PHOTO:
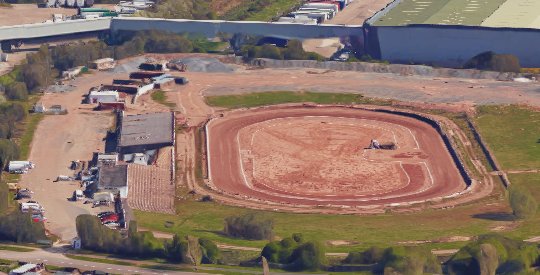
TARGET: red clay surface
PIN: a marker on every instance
(318, 156)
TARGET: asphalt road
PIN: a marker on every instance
(57, 259)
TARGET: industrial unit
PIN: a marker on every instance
(141, 133)
(451, 32)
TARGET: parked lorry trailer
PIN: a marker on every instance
(20, 166)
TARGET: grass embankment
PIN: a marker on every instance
(271, 98)
(160, 97)
(513, 134)
(207, 220)
(254, 11)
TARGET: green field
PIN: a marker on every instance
(513, 134)
(441, 12)
(204, 219)
(271, 98)
(160, 97)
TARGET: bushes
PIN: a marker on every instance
(293, 51)
(494, 62)
(371, 256)
(408, 260)
(522, 202)
(249, 226)
(295, 253)
(17, 91)
(19, 227)
(97, 237)
(492, 252)
(210, 252)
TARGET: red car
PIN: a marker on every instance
(110, 219)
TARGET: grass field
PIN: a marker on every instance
(513, 134)
(206, 220)
(160, 97)
(270, 98)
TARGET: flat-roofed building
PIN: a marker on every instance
(140, 133)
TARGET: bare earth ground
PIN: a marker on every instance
(20, 14)
(59, 140)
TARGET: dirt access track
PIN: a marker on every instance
(302, 156)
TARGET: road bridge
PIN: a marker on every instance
(208, 28)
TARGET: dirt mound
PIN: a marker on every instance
(205, 64)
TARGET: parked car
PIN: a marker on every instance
(112, 224)
(110, 219)
(105, 213)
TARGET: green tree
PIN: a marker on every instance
(19, 227)
(249, 226)
(210, 251)
(17, 91)
(8, 151)
(523, 204)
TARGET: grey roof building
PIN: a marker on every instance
(139, 133)
(114, 179)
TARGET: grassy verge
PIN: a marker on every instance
(160, 97)
(271, 98)
(97, 260)
(15, 248)
(253, 10)
(513, 134)
(528, 228)
(28, 135)
(206, 220)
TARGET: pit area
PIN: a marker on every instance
(329, 156)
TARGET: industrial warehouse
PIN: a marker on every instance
(451, 32)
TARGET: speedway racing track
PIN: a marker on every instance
(299, 156)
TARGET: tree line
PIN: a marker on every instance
(181, 249)
(489, 254)
(19, 227)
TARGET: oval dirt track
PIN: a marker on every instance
(424, 166)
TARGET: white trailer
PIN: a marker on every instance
(331, 13)
(20, 166)
(333, 7)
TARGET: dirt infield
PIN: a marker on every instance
(318, 157)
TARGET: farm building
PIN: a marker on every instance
(103, 64)
(113, 179)
(140, 133)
